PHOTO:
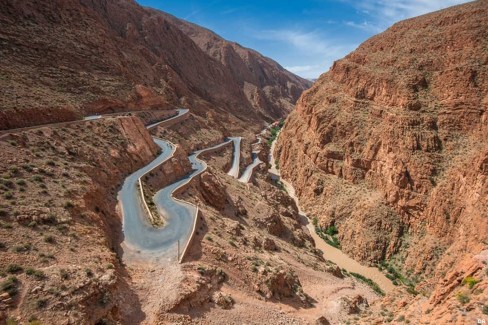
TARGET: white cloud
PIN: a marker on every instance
(365, 26)
(317, 51)
(387, 12)
(310, 41)
(299, 69)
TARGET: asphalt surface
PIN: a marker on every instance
(179, 216)
(234, 169)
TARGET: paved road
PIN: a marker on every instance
(4, 133)
(179, 216)
(138, 232)
(234, 169)
(181, 112)
(246, 175)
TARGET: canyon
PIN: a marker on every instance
(153, 172)
(389, 147)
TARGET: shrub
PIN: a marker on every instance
(64, 274)
(14, 170)
(331, 231)
(14, 268)
(21, 182)
(50, 239)
(27, 168)
(39, 275)
(23, 248)
(68, 205)
(89, 273)
(38, 178)
(369, 282)
(41, 303)
(8, 195)
(110, 266)
(462, 298)
(10, 286)
(470, 281)
(484, 309)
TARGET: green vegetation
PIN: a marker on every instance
(37, 274)
(50, 239)
(10, 286)
(369, 282)
(64, 274)
(484, 309)
(397, 278)
(41, 303)
(23, 248)
(274, 132)
(14, 268)
(470, 281)
(462, 298)
(89, 272)
(328, 234)
(68, 205)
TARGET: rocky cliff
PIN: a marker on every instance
(65, 59)
(390, 147)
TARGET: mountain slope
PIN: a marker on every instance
(64, 59)
(390, 147)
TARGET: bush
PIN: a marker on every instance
(470, 281)
(50, 239)
(14, 268)
(38, 178)
(64, 274)
(10, 286)
(21, 182)
(484, 309)
(37, 274)
(89, 273)
(462, 298)
(331, 231)
(369, 282)
(23, 248)
(68, 205)
(41, 303)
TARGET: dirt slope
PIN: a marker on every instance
(63, 59)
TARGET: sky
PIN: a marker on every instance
(304, 36)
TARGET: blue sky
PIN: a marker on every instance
(304, 36)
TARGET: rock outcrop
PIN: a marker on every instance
(65, 59)
(390, 145)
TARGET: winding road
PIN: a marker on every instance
(234, 169)
(140, 237)
(247, 174)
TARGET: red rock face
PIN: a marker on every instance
(390, 144)
(93, 56)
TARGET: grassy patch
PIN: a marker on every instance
(329, 234)
(369, 282)
(274, 132)
(470, 281)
